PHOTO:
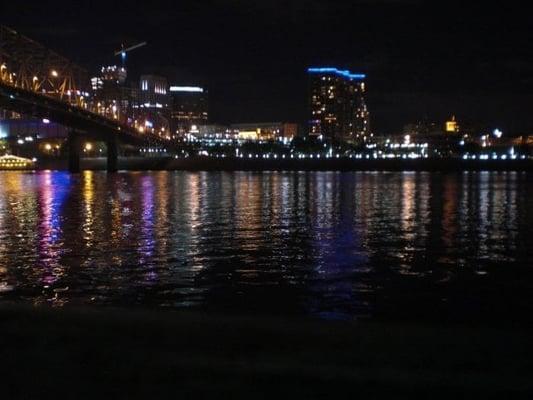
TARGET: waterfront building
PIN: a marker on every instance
(212, 130)
(14, 129)
(337, 108)
(213, 135)
(189, 107)
(31, 137)
(265, 131)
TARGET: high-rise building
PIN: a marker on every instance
(112, 97)
(154, 92)
(189, 108)
(337, 108)
(154, 105)
(114, 73)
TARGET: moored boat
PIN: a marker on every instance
(11, 162)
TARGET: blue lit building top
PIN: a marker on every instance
(328, 70)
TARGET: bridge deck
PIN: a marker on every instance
(91, 124)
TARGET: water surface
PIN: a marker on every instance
(375, 245)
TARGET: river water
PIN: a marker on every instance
(376, 245)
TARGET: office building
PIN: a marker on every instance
(153, 92)
(112, 97)
(337, 108)
(154, 113)
(189, 107)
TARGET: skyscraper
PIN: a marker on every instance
(112, 95)
(155, 104)
(337, 108)
(189, 108)
(154, 92)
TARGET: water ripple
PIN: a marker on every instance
(336, 245)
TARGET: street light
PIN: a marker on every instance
(54, 73)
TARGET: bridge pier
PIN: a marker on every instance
(112, 155)
(74, 151)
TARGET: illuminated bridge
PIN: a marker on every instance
(38, 82)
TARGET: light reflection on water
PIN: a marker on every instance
(337, 245)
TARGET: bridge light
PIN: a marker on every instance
(35, 79)
(54, 73)
(88, 146)
(48, 147)
(3, 67)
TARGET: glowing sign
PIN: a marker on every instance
(328, 70)
(190, 89)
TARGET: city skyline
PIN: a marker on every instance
(253, 59)
(261, 198)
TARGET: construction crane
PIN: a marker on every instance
(122, 52)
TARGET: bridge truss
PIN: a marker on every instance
(29, 65)
(37, 81)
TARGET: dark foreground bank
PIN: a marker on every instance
(73, 353)
(343, 164)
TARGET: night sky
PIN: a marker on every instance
(422, 61)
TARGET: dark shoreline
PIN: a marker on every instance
(105, 352)
(346, 164)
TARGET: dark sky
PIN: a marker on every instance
(422, 61)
